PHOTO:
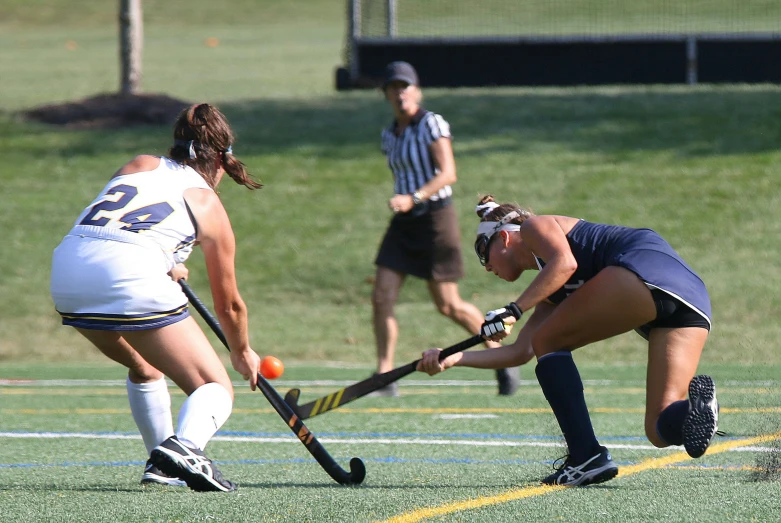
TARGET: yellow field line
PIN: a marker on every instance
(425, 411)
(527, 492)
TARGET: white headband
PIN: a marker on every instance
(486, 208)
(488, 229)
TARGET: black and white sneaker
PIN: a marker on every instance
(152, 474)
(702, 421)
(391, 390)
(178, 460)
(597, 469)
(509, 380)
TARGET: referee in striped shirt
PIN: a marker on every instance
(423, 238)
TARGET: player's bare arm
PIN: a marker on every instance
(219, 248)
(545, 238)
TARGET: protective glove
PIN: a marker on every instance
(494, 320)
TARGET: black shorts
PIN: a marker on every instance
(426, 245)
(672, 313)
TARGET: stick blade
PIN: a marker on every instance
(357, 472)
(291, 398)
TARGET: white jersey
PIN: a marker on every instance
(150, 204)
(110, 272)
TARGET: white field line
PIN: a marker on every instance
(343, 383)
(351, 440)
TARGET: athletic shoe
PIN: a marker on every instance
(178, 460)
(597, 469)
(509, 380)
(152, 474)
(390, 390)
(702, 421)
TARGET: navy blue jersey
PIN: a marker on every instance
(642, 251)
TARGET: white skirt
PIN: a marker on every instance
(109, 279)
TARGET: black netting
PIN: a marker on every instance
(573, 20)
(485, 18)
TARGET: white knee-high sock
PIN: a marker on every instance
(150, 404)
(202, 414)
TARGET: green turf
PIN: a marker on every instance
(86, 479)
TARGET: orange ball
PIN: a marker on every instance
(271, 368)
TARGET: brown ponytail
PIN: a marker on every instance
(201, 135)
(497, 213)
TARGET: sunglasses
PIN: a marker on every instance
(481, 248)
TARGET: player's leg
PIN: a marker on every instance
(147, 392)
(671, 419)
(183, 353)
(387, 285)
(449, 303)
(613, 302)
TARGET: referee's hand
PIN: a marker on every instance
(401, 203)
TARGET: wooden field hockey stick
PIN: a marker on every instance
(341, 476)
(367, 386)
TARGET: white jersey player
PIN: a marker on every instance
(114, 279)
(110, 271)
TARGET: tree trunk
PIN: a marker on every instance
(131, 44)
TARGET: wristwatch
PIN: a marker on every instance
(417, 197)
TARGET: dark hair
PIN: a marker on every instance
(497, 213)
(201, 135)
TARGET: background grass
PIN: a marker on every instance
(696, 164)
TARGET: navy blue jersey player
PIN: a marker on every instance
(596, 281)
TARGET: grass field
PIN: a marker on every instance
(70, 452)
(697, 164)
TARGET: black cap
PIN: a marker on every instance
(400, 71)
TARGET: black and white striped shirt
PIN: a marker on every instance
(409, 157)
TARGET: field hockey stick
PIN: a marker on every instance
(357, 468)
(367, 386)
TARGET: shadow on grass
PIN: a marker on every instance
(687, 123)
(73, 488)
(768, 465)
